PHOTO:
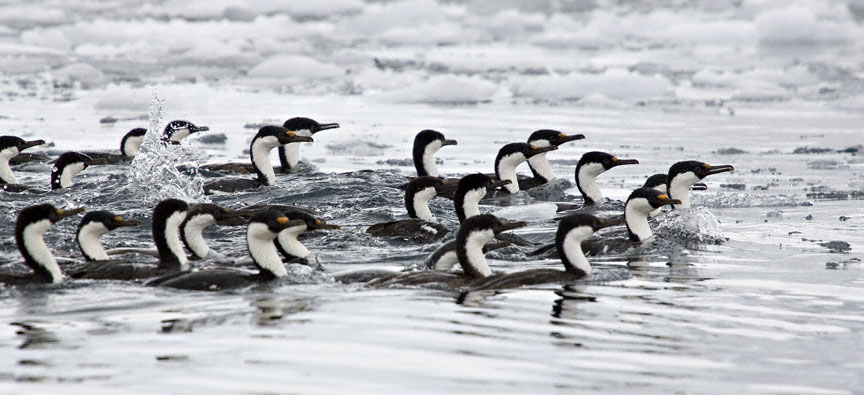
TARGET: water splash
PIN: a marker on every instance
(161, 171)
(691, 227)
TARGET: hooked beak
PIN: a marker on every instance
(717, 169)
(198, 129)
(68, 213)
(662, 200)
(612, 221)
(30, 144)
(569, 138)
(500, 183)
(130, 222)
(325, 126)
(291, 137)
(96, 161)
(233, 218)
(446, 186)
(448, 142)
(511, 225)
(284, 223)
(496, 245)
(540, 150)
(699, 187)
(320, 224)
(621, 162)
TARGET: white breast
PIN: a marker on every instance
(259, 240)
(471, 204)
(5, 171)
(35, 245)
(507, 170)
(679, 188)
(89, 240)
(636, 214)
(261, 157)
(587, 179)
(172, 237)
(133, 145)
(421, 204)
(194, 234)
(429, 158)
(474, 249)
(573, 247)
(288, 241)
(68, 172)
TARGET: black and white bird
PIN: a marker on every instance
(130, 144)
(30, 228)
(658, 182)
(421, 227)
(199, 217)
(176, 131)
(93, 226)
(288, 243)
(591, 165)
(683, 175)
(572, 231)
(289, 154)
(538, 163)
(512, 155)
(168, 215)
(10, 147)
(426, 144)
(267, 138)
(264, 226)
(471, 241)
(68, 165)
(470, 190)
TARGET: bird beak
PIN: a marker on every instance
(68, 213)
(572, 137)
(496, 245)
(96, 161)
(501, 183)
(291, 137)
(699, 187)
(234, 218)
(130, 222)
(448, 142)
(663, 200)
(325, 126)
(511, 225)
(29, 144)
(445, 186)
(612, 221)
(621, 162)
(320, 224)
(198, 129)
(717, 169)
(285, 223)
(540, 150)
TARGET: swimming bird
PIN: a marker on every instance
(289, 154)
(470, 190)
(68, 165)
(538, 163)
(640, 204)
(287, 243)
(591, 165)
(130, 144)
(572, 231)
(267, 138)
(683, 175)
(167, 217)
(199, 217)
(510, 156)
(10, 147)
(263, 228)
(473, 235)
(30, 228)
(421, 227)
(426, 144)
(93, 226)
(176, 131)
(658, 182)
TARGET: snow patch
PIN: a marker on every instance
(295, 67)
(446, 89)
(614, 83)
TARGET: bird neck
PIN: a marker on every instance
(36, 254)
(470, 253)
(417, 204)
(6, 175)
(62, 178)
(289, 156)
(679, 188)
(541, 168)
(424, 159)
(586, 181)
(289, 245)
(259, 152)
(468, 204)
(131, 146)
(166, 235)
(259, 241)
(89, 241)
(636, 219)
(193, 234)
(570, 250)
(505, 169)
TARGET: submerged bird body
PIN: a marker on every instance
(30, 228)
(267, 138)
(420, 227)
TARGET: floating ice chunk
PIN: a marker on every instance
(379, 18)
(614, 83)
(51, 38)
(530, 212)
(295, 67)
(446, 89)
(85, 74)
(797, 24)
